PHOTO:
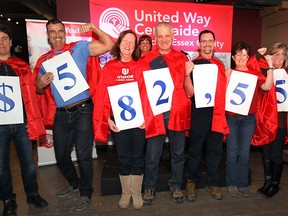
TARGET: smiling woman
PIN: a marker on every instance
(124, 69)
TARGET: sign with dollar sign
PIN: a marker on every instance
(11, 105)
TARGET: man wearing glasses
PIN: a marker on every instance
(207, 124)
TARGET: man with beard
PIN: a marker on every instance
(207, 124)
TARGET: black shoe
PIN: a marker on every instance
(10, 207)
(265, 186)
(272, 189)
(36, 200)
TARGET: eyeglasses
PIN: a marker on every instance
(279, 54)
(207, 41)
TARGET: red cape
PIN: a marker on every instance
(219, 123)
(109, 75)
(180, 111)
(266, 115)
(36, 127)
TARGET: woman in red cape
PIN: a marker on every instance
(272, 150)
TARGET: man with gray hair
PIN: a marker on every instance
(174, 122)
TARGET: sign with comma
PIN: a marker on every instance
(204, 81)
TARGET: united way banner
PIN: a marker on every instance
(188, 20)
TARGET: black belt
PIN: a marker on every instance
(76, 107)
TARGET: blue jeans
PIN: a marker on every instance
(130, 149)
(75, 128)
(154, 149)
(24, 147)
(238, 149)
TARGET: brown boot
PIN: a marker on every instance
(124, 201)
(136, 191)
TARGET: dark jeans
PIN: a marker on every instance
(153, 153)
(201, 136)
(18, 134)
(238, 150)
(130, 149)
(75, 128)
(274, 150)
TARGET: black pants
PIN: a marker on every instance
(201, 136)
(130, 150)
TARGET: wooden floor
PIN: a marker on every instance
(50, 181)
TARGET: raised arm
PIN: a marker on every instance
(269, 79)
(188, 86)
(104, 42)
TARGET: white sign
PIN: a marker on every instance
(11, 105)
(160, 87)
(205, 80)
(68, 79)
(281, 83)
(240, 92)
(126, 105)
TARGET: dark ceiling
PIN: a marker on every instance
(19, 10)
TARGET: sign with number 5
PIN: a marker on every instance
(68, 79)
(240, 92)
(281, 83)
(126, 105)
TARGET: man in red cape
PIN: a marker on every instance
(21, 134)
(208, 125)
(176, 122)
(72, 121)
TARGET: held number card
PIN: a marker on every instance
(204, 81)
(68, 79)
(126, 105)
(160, 87)
(240, 92)
(281, 83)
(11, 105)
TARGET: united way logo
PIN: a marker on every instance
(113, 21)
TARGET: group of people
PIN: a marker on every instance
(77, 122)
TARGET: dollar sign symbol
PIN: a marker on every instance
(7, 102)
